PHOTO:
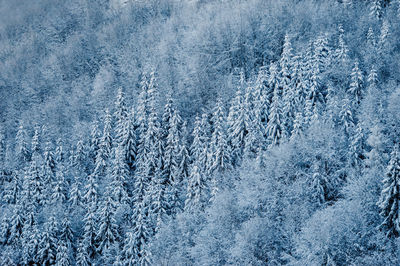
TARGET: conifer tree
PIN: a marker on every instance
(49, 169)
(356, 153)
(75, 195)
(119, 177)
(375, 9)
(297, 126)
(48, 243)
(390, 196)
(140, 234)
(371, 38)
(236, 127)
(106, 138)
(94, 142)
(346, 116)
(107, 233)
(21, 147)
(16, 226)
(355, 88)
(82, 257)
(67, 233)
(62, 258)
(59, 195)
(89, 230)
(342, 50)
(383, 37)
(221, 160)
(197, 188)
(275, 129)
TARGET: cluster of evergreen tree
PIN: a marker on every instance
(301, 166)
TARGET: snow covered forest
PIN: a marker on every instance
(200, 132)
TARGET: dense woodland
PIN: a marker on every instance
(208, 132)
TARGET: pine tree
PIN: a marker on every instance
(141, 236)
(21, 147)
(79, 158)
(390, 196)
(172, 147)
(355, 88)
(17, 224)
(160, 204)
(129, 250)
(94, 142)
(62, 257)
(107, 233)
(173, 155)
(346, 116)
(300, 88)
(2, 159)
(59, 156)
(125, 136)
(82, 257)
(89, 230)
(4, 230)
(342, 50)
(356, 153)
(376, 9)
(106, 138)
(75, 196)
(121, 115)
(275, 130)
(383, 37)
(48, 243)
(221, 160)
(59, 195)
(236, 128)
(35, 186)
(322, 54)
(184, 157)
(91, 190)
(119, 177)
(297, 126)
(49, 169)
(197, 188)
(36, 149)
(67, 233)
(371, 38)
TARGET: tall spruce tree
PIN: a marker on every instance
(390, 196)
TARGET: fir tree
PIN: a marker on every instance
(119, 177)
(59, 195)
(355, 88)
(375, 9)
(21, 147)
(48, 243)
(371, 38)
(67, 234)
(82, 257)
(75, 196)
(94, 142)
(346, 116)
(383, 37)
(197, 189)
(221, 160)
(62, 258)
(236, 128)
(107, 233)
(389, 199)
(275, 130)
(342, 50)
(89, 230)
(356, 153)
(16, 225)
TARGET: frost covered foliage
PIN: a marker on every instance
(256, 132)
